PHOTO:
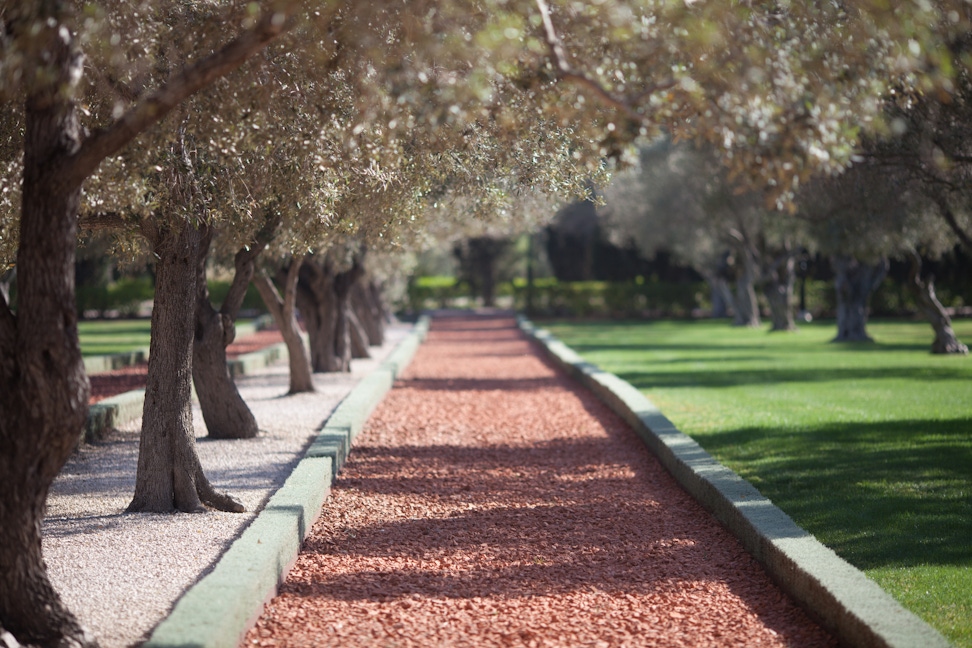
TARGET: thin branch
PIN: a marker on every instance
(103, 221)
(108, 141)
(245, 264)
(566, 72)
(949, 217)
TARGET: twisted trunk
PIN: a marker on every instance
(315, 299)
(932, 310)
(283, 311)
(366, 303)
(747, 308)
(42, 381)
(779, 291)
(854, 283)
(323, 300)
(169, 475)
(226, 414)
(359, 335)
(723, 302)
(346, 329)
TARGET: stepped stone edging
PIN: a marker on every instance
(125, 407)
(219, 609)
(841, 597)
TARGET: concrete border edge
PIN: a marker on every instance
(218, 610)
(122, 408)
(842, 598)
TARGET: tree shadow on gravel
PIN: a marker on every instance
(478, 384)
(563, 516)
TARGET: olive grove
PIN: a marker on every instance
(151, 114)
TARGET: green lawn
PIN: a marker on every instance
(868, 447)
(107, 337)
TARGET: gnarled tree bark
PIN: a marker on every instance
(780, 277)
(343, 282)
(854, 283)
(44, 388)
(322, 297)
(169, 475)
(746, 304)
(366, 302)
(284, 313)
(226, 414)
(315, 299)
(932, 310)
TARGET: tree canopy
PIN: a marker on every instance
(371, 120)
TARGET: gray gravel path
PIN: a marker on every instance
(121, 573)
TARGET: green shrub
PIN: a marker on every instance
(252, 301)
(641, 298)
(124, 296)
(437, 292)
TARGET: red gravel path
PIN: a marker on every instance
(493, 502)
(118, 381)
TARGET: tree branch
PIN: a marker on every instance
(949, 217)
(244, 264)
(103, 221)
(566, 72)
(188, 81)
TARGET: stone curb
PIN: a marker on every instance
(122, 408)
(219, 609)
(106, 363)
(845, 601)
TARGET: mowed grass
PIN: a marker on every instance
(867, 446)
(108, 337)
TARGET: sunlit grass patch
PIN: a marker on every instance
(867, 446)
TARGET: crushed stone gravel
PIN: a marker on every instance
(120, 573)
(492, 501)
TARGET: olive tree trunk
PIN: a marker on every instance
(226, 414)
(723, 302)
(854, 282)
(43, 386)
(780, 278)
(931, 309)
(44, 389)
(365, 302)
(224, 411)
(346, 327)
(322, 297)
(358, 334)
(746, 305)
(315, 299)
(169, 475)
(284, 313)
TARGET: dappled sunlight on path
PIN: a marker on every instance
(491, 502)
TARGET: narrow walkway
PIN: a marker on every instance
(491, 501)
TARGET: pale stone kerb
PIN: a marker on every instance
(840, 596)
(219, 609)
(355, 409)
(248, 363)
(112, 412)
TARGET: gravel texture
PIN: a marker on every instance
(121, 573)
(491, 501)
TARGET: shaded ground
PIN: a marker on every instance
(493, 502)
(118, 381)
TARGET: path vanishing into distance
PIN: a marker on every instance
(493, 501)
